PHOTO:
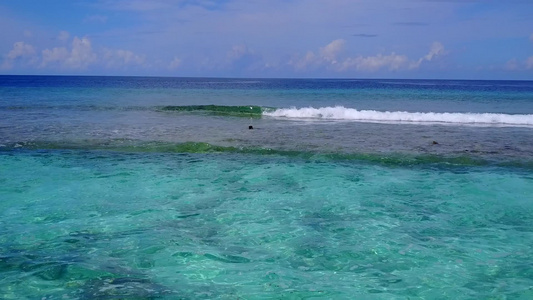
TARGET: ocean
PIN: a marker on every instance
(156, 188)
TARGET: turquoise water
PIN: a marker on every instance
(243, 226)
(104, 195)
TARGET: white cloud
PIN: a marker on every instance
(82, 54)
(21, 52)
(302, 63)
(54, 55)
(20, 49)
(79, 57)
(330, 52)
(329, 58)
(437, 49)
(392, 62)
(326, 56)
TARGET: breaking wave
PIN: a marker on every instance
(351, 114)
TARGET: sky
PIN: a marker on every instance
(420, 39)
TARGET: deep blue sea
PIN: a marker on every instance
(156, 188)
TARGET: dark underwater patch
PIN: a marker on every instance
(242, 111)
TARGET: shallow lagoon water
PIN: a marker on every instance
(103, 224)
(104, 195)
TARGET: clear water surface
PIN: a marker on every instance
(122, 188)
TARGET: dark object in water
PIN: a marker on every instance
(250, 127)
(435, 143)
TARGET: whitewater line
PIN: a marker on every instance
(343, 113)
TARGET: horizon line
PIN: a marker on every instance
(263, 78)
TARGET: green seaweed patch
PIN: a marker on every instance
(240, 111)
(385, 159)
(187, 147)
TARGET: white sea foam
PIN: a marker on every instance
(351, 114)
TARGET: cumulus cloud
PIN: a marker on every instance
(82, 54)
(21, 53)
(54, 55)
(326, 56)
(309, 59)
(20, 49)
(437, 49)
(373, 63)
(79, 57)
(329, 57)
(330, 52)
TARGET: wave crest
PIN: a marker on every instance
(351, 114)
(245, 110)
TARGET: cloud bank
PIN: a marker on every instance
(79, 55)
(330, 57)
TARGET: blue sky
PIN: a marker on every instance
(455, 39)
